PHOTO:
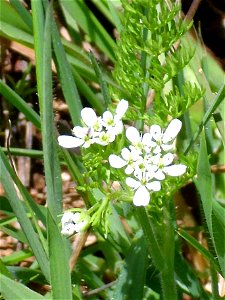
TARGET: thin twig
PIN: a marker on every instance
(77, 247)
(192, 10)
(8, 146)
(98, 290)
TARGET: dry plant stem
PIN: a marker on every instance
(24, 162)
(8, 146)
(98, 290)
(77, 247)
(218, 169)
(192, 10)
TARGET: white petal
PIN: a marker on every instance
(155, 159)
(125, 153)
(116, 162)
(172, 131)
(156, 132)
(132, 183)
(79, 227)
(118, 128)
(121, 109)
(129, 170)
(154, 186)
(157, 150)
(167, 147)
(88, 143)
(68, 141)
(159, 175)
(167, 159)
(80, 132)
(147, 140)
(141, 196)
(175, 170)
(68, 229)
(67, 218)
(107, 117)
(76, 217)
(88, 115)
(133, 135)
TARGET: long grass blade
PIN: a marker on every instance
(219, 98)
(59, 259)
(68, 85)
(13, 98)
(24, 221)
(11, 289)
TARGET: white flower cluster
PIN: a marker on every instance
(100, 130)
(71, 223)
(147, 160)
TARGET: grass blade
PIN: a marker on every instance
(103, 84)
(212, 215)
(24, 221)
(51, 162)
(91, 26)
(13, 98)
(219, 98)
(19, 291)
(193, 242)
(132, 276)
(23, 13)
(68, 85)
(59, 260)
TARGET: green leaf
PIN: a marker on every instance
(4, 270)
(130, 283)
(193, 242)
(115, 15)
(66, 78)
(85, 90)
(38, 31)
(215, 103)
(15, 34)
(37, 210)
(212, 214)
(10, 16)
(204, 183)
(11, 289)
(59, 268)
(59, 262)
(51, 162)
(23, 13)
(24, 221)
(13, 98)
(17, 256)
(103, 84)
(24, 152)
(90, 25)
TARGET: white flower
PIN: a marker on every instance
(114, 123)
(105, 138)
(83, 136)
(165, 139)
(71, 223)
(139, 142)
(100, 130)
(128, 159)
(142, 188)
(165, 166)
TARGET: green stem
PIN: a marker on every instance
(152, 242)
(168, 285)
(162, 254)
(214, 279)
